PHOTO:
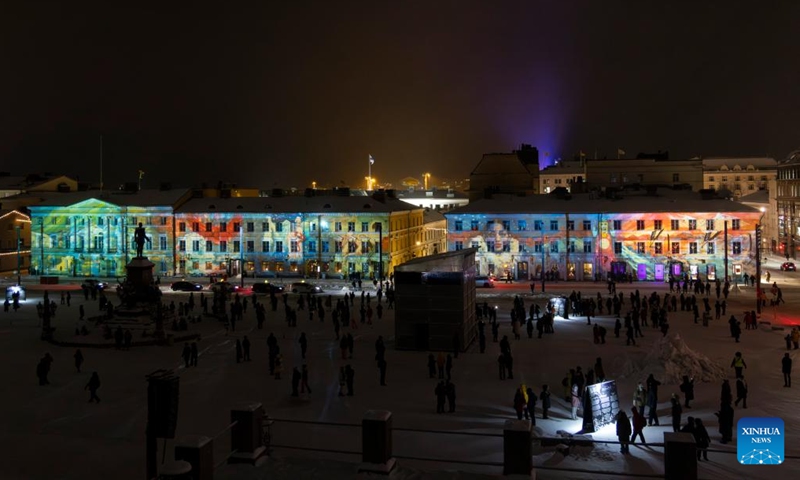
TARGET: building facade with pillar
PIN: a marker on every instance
(788, 205)
(647, 235)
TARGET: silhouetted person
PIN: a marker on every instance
(139, 237)
(187, 354)
(92, 386)
(296, 377)
(246, 348)
(79, 359)
(193, 359)
(786, 368)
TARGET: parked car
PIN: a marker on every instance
(303, 287)
(484, 282)
(224, 286)
(267, 287)
(10, 291)
(788, 267)
(92, 283)
(184, 286)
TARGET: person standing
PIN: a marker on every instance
(441, 393)
(194, 355)
(687, 387)
(639, 397)
(440, 361)
(450, 391)
(246, 348)
(278, 366)
(92, 386)
(599, 371)
(786, 368)
(623, 431)
(652, 400)
(545, 397)
(725, 416)
(350, 373)
(79, 360)
(576, 401)
(531, 405)
(296, 377)
(638, 425)
(448, 366)
(303, 345)
(186, 354)
(741, 392)
(304, 380)
(701, 439)
(519, 403)
(676, 412)
(382, 369)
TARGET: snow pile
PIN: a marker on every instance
(669, 360)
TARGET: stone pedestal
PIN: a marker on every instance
(680, 456)
(376, 442)
(517, 458)
(246, 433)
(198, 451)
(140, 272)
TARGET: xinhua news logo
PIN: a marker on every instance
(760, 441)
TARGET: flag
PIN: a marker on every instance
(371, 160)
(582, 154)
(620, 152)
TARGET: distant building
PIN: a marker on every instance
(741, 176)
(434, 199)
(648, 234)
(605, 173)
(515, 173)
(761, 201)
(562, 174)
(15, 227)
(788, 204)
(14, 185)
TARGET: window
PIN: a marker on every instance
(352, 247)
(279, 247)
(223, 244)
(326, 246)
(365, 226)
(459, 245)
(676, 177)
(692, 247)
(571, 246)
(162, 242)
(364, 246)
(182, 227)
(265, 226)
(337, 246)
(265, 246)
(473, 225)
(351, 226)
(209, 265)
(490, 226)
(182, 245)
(639, 224)
(490, 246)
(506, 246)
(522, 225)
(710, 224)
(237, 246)
(658, 248)
(195, 245)
(459, 225)
(195, 226)
(538, 225)
(710, 248)
(538, 246)
(675, 224)
(279, 227)
(587, 225)
(553, 224)
(570, 224)
(675, 248)
(658, 225)
(337, 227)
(587, 245)
(618, 247)
(554, 246)
(639, 247)
(251, 246)
(736, 248)
(692, 224)
(711, 178)
(506, 224)
(735, 224)
(293, 246)
(251, 227)
(521, 247)
(616, 225)
(223, 226)
(162, 219)
(236, 226)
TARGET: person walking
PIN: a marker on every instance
(652, 400)
(350, 373)
(676, 412)
(786, 368)
(187, 354)
(531, 406)
(741, 392)
(303, 345)
(79, 360)
(304, 380)
(639, 423)
(92, 386)
(687, 388)
(701, 439)
(519, 403)
(296, 377)
(545, 397)
(738, 364)
(193, 359)
(623, 431)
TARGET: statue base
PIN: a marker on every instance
(140, 272)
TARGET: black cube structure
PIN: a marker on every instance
(435, 308)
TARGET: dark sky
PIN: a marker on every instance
(281, 93)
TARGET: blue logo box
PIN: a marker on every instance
(759, 441)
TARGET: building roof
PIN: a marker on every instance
(430, 216)
(563, 168)
(435, 193)
(142, 198)
(760, 196)
(714, 163)
(665, 200)
(501, 163)
(454, 261)
(28, 182)
(295, 204)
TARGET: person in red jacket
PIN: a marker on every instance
(639, 423)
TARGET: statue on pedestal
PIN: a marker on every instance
(139, 237)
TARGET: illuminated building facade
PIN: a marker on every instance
(788, 205)
(586, 237)
(15, 228)
(87, 234)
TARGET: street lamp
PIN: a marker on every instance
(425, 177)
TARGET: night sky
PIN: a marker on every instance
(281, 93)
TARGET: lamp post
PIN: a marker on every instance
(758, 261)
(426, 176)
(379, 227)
(19, 272)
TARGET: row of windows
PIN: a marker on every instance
(737, 178)
(277, 246)
(208, 226)
(641, 247)
(538, 225)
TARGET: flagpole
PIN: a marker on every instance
(369, 173)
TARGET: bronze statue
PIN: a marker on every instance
(139, 237)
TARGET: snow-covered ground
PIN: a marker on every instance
(52, 432)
